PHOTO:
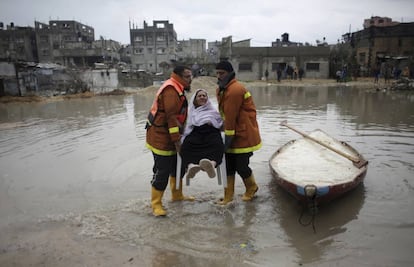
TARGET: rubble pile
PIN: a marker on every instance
(403, 83)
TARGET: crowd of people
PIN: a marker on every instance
(289, 72)
(188, 137)
(389, 72)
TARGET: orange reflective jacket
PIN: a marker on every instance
(238, 111)
(181, 116)
(166, 118)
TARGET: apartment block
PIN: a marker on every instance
(154, 47)
(376, 45)
(17, 43)
(193, 49)
(376, 21)
(67, 42)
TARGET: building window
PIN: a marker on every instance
(160, 50)
(65, 26)
(361, 58)
(312, 66)
(138, 39)
(245, 66)
(160, 38)
(149, 50)
(280, 65)
(160, 25)
(150, 40)
(138, 51)
(44, 39)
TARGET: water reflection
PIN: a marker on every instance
(330, 221)
(365, 106)
(54, 156)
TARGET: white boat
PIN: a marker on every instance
(317, 167)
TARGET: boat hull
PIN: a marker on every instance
(301, 164)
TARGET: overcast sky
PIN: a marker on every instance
(259, 20)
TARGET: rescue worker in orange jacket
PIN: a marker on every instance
(164, 126)
(241, 130)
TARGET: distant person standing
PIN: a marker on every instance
(301, 72)
(267, 75)
(289, 72)
(376, 74)
(295, 73)
(241, 131)
(387, 74)
(338, 75)
(344, 73)
(165, 123)
(406, 72)
(279, 74)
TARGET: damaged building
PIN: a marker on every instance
(28, 78)
(251, 63)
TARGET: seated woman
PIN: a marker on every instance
(202, 146)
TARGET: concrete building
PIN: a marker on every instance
(17, 43)
(107, 51)
(213, 52)
(154, 48)
(376, 45)
(65, 42)
(376, 21)
(192, 49)
(61, 41)
(71, 43)
(250, 63)
(285, 42)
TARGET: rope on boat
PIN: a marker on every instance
(313, 209)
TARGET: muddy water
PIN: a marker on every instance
(83, 163)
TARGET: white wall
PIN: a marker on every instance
(101, 80)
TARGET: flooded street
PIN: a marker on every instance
(75, 187)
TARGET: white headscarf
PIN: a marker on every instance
(198, 116)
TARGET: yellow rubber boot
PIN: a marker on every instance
(251, 188)
(228, 192)
(177, 194)
(156, 203)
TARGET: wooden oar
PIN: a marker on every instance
(358, 162)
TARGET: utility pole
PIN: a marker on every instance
(13, 56)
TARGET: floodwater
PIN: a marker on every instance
(83, 163)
